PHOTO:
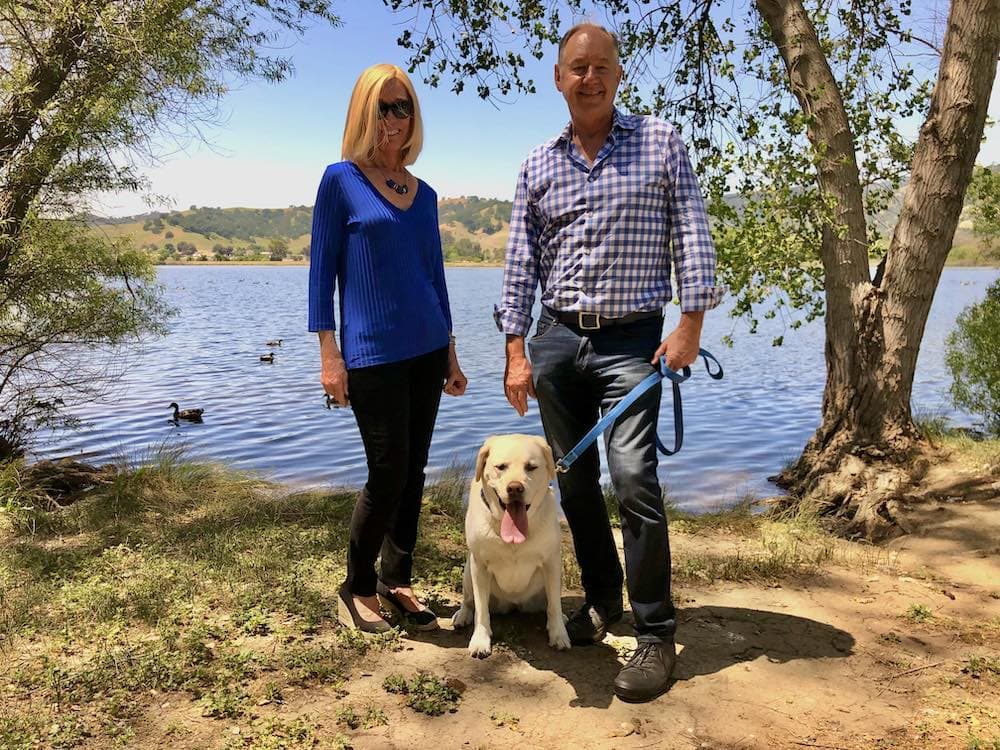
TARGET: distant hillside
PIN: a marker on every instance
(473, 230)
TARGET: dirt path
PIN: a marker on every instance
(895, 647)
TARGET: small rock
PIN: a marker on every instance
(947, 593)
(624, 730)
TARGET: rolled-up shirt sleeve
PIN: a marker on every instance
(326, 245)
(520, 275)
(691, 248)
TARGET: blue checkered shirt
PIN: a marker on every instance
(601, 238)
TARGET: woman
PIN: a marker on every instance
(375, 234)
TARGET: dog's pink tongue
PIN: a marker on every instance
(514, 526)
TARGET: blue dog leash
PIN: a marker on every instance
(562, 466)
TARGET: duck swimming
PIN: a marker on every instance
(267, 357)
(191, 415)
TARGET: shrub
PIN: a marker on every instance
(974, 359)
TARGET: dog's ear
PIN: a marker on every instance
(550, 461)
(484, 453)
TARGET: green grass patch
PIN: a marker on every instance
(278, 734)
(424, 693)
(981, 666)
(740, 519)
(183, 578)
(918, 613)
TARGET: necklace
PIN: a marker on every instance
(400, 188)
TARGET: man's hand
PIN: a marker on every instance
(681, 346)
(517, 383)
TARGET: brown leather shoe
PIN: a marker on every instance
(647, 673)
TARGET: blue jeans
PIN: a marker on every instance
(579, 375)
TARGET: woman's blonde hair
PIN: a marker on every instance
(361, 129)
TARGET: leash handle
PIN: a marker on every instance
(664, 372)
(685, 372)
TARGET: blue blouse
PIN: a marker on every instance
(387, 266)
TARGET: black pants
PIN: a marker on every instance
(395, 405)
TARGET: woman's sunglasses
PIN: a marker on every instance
(401, 109)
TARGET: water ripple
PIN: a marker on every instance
(271, 417)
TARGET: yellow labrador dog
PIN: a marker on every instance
(512, 533)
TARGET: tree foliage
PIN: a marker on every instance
(973, 355)
(715, 72)
(74, 301)
(797, 104)
(984, 194)
(244, 223)
(88, 89)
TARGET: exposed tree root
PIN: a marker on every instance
(859, 491)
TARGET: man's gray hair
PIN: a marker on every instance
(584, 26)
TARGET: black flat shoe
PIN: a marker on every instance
(422, 620)
(589, 624)
(347, 615)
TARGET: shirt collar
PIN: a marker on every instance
(619, 123)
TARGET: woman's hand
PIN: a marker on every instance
(455, 382)
(333, 377)
(333, 370)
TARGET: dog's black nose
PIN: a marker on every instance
(515, 489)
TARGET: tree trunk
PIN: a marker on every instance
(858, 464)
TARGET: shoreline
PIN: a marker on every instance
(279, 264)
(189, 606)
(448, 264)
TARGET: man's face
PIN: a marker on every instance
(588, 74)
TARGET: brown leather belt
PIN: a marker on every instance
(593, 322)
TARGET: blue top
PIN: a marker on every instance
(602, 238)
(387, 265)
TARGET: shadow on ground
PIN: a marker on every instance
(714, 638)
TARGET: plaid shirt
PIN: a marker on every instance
(601, 238)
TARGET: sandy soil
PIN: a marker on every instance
(827, 659)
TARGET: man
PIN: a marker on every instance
(600, 215)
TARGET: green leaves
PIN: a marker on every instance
(984, 195)
(973, 355)
(715, 72)
(89, 89)
(68, 296)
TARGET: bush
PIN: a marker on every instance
(974, 358)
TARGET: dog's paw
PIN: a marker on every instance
(480, 646)
(463, 617)
(558, 637)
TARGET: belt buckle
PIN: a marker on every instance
(582, 316)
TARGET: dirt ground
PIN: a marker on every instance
(878, 647)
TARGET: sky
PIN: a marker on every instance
(273, 141)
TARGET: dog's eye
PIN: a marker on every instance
(530, 467)
(501, 467)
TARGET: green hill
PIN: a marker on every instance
(473, 230)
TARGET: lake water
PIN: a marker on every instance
(271, 417)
